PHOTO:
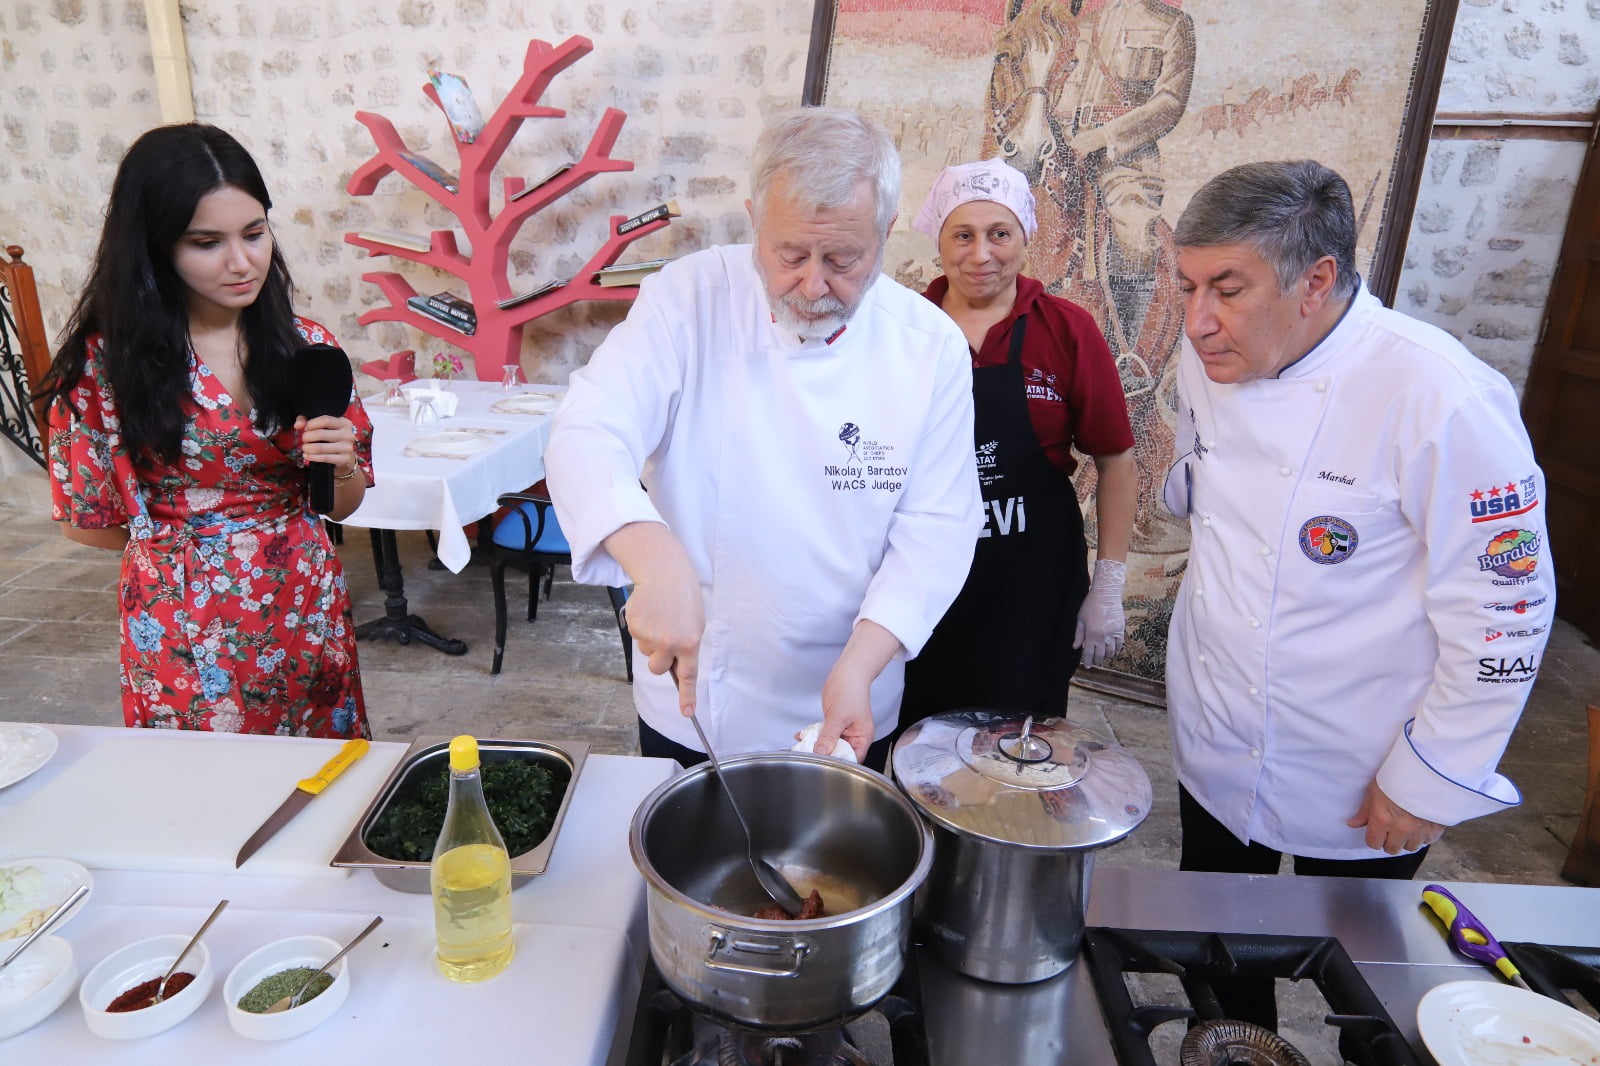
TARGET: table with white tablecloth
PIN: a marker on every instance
(566, 1000)
(443, 493)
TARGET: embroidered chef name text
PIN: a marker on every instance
(1343, 479)
(847, 478)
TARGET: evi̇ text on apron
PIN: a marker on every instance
(1006, 641)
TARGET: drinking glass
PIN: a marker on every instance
(426, 413)
(511, 379)
(393, 394)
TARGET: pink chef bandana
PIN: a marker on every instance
(992, 180)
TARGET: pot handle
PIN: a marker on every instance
(782, 954)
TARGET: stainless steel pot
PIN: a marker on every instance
(1017, 808)
(827, 824)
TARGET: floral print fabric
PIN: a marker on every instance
(235, 614)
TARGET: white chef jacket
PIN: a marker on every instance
(813, 484)
(1368, 590)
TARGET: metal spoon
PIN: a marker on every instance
(46, 925)
(782, 893)
(161, 989)
(290, 1002)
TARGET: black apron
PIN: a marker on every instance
(1006, 642)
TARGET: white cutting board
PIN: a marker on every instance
(187, 803)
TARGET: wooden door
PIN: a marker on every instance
(1562, 409)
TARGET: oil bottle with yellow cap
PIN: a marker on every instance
(471, 878)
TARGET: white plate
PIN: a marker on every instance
(452, 443)
(531, 403)
(60, 877)
(1486, 1023)
(23, 749)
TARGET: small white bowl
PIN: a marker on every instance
(134, 965)
(280, 955)
(51, 958)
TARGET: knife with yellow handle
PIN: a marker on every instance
(302, 795)
(1470, 936)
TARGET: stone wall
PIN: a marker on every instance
(1491, 212)
(695, 77)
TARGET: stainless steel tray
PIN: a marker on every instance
(430, 755)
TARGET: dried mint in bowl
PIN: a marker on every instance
(522, 798)
(284, 983)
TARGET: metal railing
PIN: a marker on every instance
(24, 357)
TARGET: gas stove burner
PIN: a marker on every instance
(1228, 1042)
(718, 1045)
(668, 1032)
(1201, 961)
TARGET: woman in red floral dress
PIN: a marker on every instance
(174, 439)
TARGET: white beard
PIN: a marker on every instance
(814, 320)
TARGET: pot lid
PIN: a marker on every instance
(1043, 783)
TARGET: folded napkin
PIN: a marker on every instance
(808, 740)
(443, 402)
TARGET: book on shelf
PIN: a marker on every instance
(531, 294)
(421, 306)
(396, 238)
(546, 180)
(466, 121)
(655, 214)
(622, 274)
(432, 170)
(447, 302)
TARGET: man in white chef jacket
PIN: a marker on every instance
(802, 427)
(1368, 590)
(1368, 586)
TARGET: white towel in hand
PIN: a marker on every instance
(808, 740)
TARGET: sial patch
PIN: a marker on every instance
(1328, 539)
(1503, 671)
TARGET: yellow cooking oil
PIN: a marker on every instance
(472, 912)
(470, 878)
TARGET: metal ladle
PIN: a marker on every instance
(782, 893)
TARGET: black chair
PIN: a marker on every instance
(529, 537)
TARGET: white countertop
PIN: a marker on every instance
(581, 945)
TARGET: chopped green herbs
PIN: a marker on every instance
(522, 798)
(284, 983)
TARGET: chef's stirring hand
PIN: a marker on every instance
(1101, 621)
(665, 613)
(1390, 827)
(847, 692)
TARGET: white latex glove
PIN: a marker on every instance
(1101, 622)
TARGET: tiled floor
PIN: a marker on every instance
(564, 679)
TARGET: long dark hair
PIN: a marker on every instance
(137, 303)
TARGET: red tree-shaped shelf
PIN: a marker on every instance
(498, 337)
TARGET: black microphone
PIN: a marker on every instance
(320, 381)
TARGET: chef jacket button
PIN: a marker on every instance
(1322, 386)
(1265, 550)
(1285, 471)
(1254, 691)
(1201, 657)
(1200, 594)
(1205, 521)
(1255, 623)
(1255, 753)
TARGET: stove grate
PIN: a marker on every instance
(1367, 1035)
(1559, 972)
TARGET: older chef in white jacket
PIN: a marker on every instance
(803, 427)
(1369, 589)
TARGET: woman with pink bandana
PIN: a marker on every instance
(1043, 383)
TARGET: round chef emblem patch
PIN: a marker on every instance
(1326, 539)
